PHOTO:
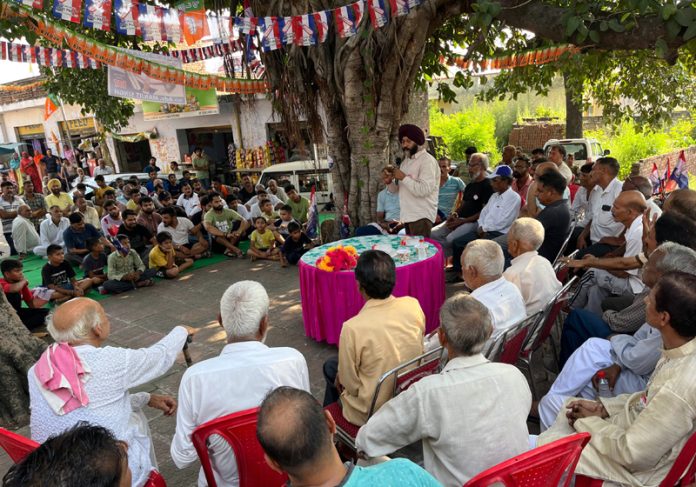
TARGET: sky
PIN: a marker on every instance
(10, 71)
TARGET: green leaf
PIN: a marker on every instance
(668, 11)
(673, 29)
(690, 32)
(685, 17)
(594, 36)
(604, 26)
(624, 17)
(572, 26)
(616, 26)
(494, 9)
(661, 48)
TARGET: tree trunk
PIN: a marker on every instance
(19, 350)
(573, 111)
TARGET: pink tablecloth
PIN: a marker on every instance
(331, 298)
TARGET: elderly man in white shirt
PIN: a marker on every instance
(531, 273)
(598, 284)
(24, 234)
(263, 194)
(482, 270)
(51, 230)
(95, 389)
(277, 191)
(418, 183)
(457, 441)
(238, 379)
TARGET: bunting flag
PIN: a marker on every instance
(399, 7)
(321, 22)
(68, 10)
(304, 30)
(347, 19)
(37, 4)
(377, 12)
(97, 14)
(44, 56)
(287, 35)
(679, 178)
(246, 25)
(50, 106)
(655, 179)
(172, 27)
(150, 20)
(127, 17)
(270, 34)
(193, 21)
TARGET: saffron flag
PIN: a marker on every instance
(50, 106)
(97, 14)
(345, 21)
(194, 22)
(680, 176)
(127, 17)
(312, 215)
(304, 30)
(398, 7)
(67, 10)
(150, 20)
(270, 33)
(321, 22)
(378, 14)
(655, 179)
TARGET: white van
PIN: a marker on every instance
(303, 175)
(580, 148)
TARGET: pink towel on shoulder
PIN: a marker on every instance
(61, 376)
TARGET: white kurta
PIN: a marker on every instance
(470, 417)
(504, 302)
(534, 277)
(114, 372)
(236, 380)
(51, 234)
(419, 190)
(24, 235)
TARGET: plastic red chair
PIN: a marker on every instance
(18, 447)
(547, 466)
(682, 473)
(239, 431)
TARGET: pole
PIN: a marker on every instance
(67, 128)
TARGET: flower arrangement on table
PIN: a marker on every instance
(338, 258)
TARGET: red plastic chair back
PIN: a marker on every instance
(16, 446)
(547, 466)
(513, 347)
(155, 480)
(239, 430)
(406, 380)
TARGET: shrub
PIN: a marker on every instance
(474, 126)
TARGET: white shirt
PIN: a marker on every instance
(190, 205)
(500, 212)
(275, 201)
(634, 246)
(655, 210)
(24, 234)
(280, 193)
(113, 372)
(580, 208)
(534, 277)
(471, 416)
(566, 172)
(238, 379)
(98, 171)
(601, 200)
(242, 210)
(50, 233)
(419, 190)
(504, 302)
(180, 234)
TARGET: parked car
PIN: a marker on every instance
(581, 149)
(303, 175)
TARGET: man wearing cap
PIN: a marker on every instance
(418, 181)
(497, 216)
(59, 198)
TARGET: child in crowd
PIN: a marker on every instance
(59, 276)
(125, 269)
(94, 263)
(267, 212)
(295, 245)
(281, 224)
(263, 241)
(163, 258)
(16, 289)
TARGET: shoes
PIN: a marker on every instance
(160, 274)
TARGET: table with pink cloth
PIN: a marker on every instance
(331, 298)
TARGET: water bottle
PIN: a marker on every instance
(422, 249)
(603, 389)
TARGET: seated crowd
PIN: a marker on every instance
(629, 319)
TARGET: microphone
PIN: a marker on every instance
(397, 162)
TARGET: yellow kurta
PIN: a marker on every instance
(645, 431)
(386, 333)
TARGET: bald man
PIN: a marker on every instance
(682, 201)
(99, 385)
(24, 233)
(643, 184)
(598, 284)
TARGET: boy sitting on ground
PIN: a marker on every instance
(164, 260)
(281, 224)
(125, 269)
(94, 264)
(295, 245)
(263, 241)
(16, 289)
(266, 211)
(59, 276)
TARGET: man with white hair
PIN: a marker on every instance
(482, 270)
(238, 379)
(51, 230)
(262, 194)
(628, 361)
(530, 272)
(455, 411)
(24, 233)
(78, 379)
(277, 191)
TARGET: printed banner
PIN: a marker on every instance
(125, 84)
(378, 14)
(127, 17)
(97, 14)
(198, 102)
(68, 10)
(270, 33)
(172, 27)
(150, 21)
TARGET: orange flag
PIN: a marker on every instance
(50, 106)
(194, 23)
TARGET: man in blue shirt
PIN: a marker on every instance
(450, 188)
(297, 436)
(388, 210)
(75, 238)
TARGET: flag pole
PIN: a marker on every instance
(65, 122)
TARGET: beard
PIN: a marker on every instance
(516, 174)
(410, 151)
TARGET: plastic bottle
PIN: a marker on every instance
(603, 389)
(422, 249)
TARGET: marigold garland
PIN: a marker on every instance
(338, 258)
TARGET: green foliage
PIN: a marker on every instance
(628, 144)
(474, 126)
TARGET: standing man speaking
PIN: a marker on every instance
(418, 180)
